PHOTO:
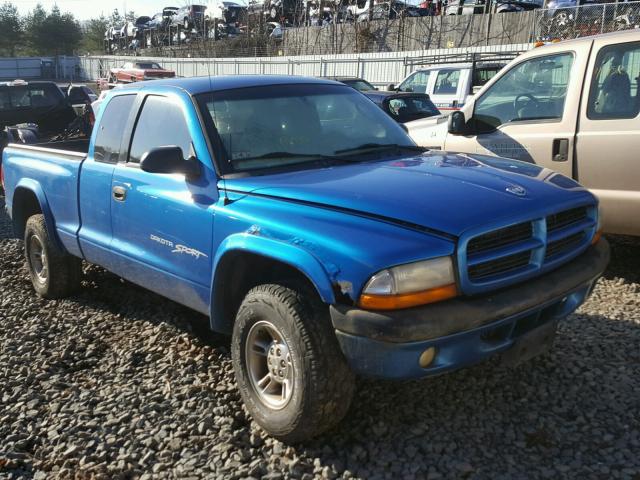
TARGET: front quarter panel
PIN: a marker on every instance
(337, 251)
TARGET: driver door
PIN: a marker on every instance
(530, 113)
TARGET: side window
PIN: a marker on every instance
(483, 74)
(447, 82)
(614, 86)
(112, 125)
(532, 90)
(416, 83)
(152, 128)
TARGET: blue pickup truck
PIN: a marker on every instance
(305, 223)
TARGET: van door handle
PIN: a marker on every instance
(560, 150)
(119, 194)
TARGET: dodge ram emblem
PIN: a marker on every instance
(516, 190)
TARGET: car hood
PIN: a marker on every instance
(444, 192)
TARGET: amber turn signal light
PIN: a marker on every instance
(406, 300)
(596, 237)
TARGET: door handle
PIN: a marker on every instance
(560, 150)
(119, 194)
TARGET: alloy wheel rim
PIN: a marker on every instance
(38, 258)
(269, 365)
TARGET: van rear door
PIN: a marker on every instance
(608, 140)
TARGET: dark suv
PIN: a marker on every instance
(189, 17)
(42, 103)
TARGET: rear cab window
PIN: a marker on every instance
(30, 96)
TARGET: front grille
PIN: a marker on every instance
(499, 257)
(563, 245)
(566, 218)
(500, 238)
(499, 266)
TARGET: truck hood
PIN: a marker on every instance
(444, 192)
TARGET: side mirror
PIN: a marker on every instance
(169, 160)
(457, 123)
(391, 87)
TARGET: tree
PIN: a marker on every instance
(93, 37)
(33, 27)
(11, 29)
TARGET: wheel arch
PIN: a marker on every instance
(243, 261)
(29, 199)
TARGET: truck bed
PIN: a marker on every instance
(52, 171)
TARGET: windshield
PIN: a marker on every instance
(149, 66)
(360, 85)
(279, 125)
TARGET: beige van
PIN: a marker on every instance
(573, 107)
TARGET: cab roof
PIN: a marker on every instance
(196, 85)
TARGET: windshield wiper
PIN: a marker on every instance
(382, 146)
(288, 155)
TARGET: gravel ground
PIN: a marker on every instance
(117, 382)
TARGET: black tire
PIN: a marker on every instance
(323, 384)
(62, 272)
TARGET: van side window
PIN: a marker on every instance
(483, 74)
(416, 83)
(532, 90)
(447, 82)
(615, 84)
(161, 123)
(112, 125)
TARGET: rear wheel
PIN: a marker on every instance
(292, 376)
(54, 273)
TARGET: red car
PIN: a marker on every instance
(139, 71)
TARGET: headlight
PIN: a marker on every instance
(410, 285)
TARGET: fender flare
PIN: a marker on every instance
(34, 187)
(302, 260)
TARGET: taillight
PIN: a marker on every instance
(1, 175)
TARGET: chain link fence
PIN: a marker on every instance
(563, 23)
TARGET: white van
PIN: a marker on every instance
(450, 79)
(573, 107)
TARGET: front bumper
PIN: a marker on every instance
(464, 330)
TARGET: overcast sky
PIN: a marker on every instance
(85, 9)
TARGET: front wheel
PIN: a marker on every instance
(54, 273)
(291, 373)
